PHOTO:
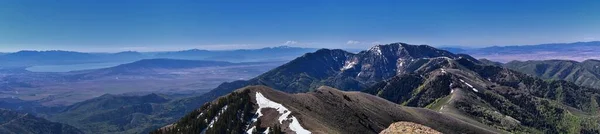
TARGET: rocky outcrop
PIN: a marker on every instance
(408, 128)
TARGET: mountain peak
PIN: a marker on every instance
(404, 50)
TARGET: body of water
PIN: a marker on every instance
(72, 67)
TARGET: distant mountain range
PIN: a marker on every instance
(578, 51)
(149, 75)
(242, 55)
(33, 58)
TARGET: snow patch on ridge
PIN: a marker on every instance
(348, 65)
(199, 115)
(263, 102)
(376, 50)
(250, 130)
(216, 118)
(474, 89)
(450, 86)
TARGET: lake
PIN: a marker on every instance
(72, 67)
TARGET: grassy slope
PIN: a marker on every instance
(533, 106)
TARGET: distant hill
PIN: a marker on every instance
(27, 58)
(23, 123)
(578, 51)
(148, 66)
(259, 109)
(57, 57)
(241, 55)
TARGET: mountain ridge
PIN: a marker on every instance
(308, 107)
(585, 73)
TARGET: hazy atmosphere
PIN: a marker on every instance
(157, 25)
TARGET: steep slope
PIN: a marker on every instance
(21, 123)
(586, 73)
(497, 97)
(326, 110)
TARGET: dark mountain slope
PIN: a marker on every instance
(21, 123)
(114, 114)
(348, 71)
(586, 73)
(497, 97)
(307, 72)
(325, 110)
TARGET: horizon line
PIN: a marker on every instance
(291, 46)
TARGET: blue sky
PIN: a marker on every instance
(152, 25)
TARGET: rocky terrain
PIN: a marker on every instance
(408, 128)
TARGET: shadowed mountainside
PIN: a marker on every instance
(23, 123)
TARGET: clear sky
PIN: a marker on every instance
(151, 25)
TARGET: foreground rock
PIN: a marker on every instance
(408, 128)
